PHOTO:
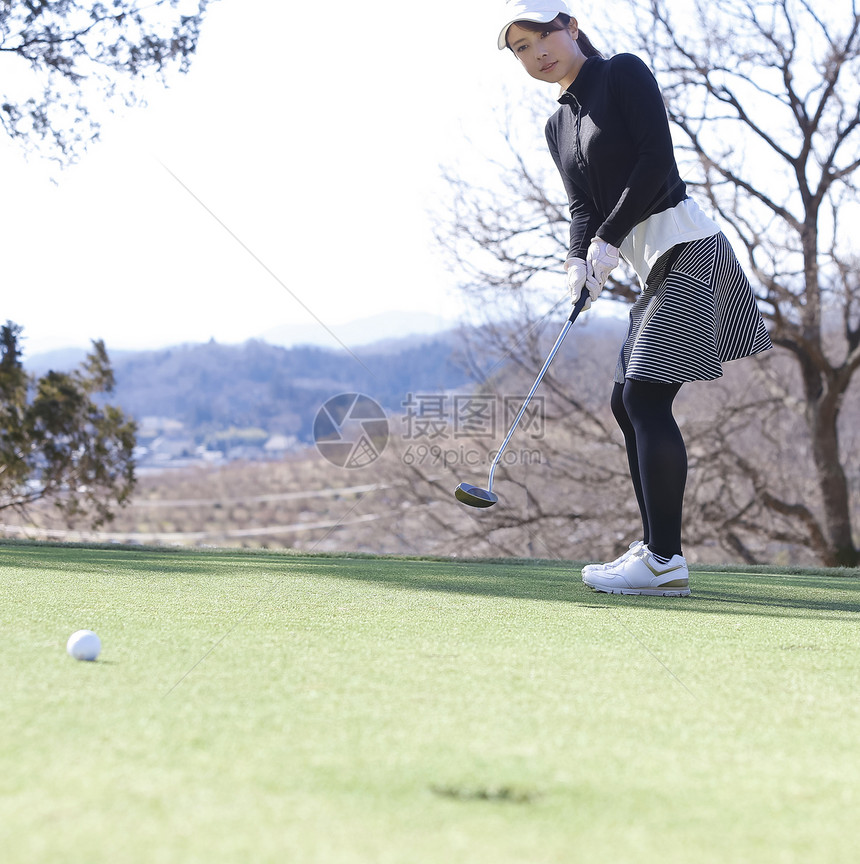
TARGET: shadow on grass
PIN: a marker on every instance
(791, 596)
(719, 591)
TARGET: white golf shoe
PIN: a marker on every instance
(631, 549)
(641, 573)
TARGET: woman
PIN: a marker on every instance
(611, 142)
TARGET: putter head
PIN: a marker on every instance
(474, 496)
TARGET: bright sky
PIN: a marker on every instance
(316, 141)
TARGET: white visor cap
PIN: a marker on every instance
(538, 11)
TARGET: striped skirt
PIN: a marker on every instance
(696, 312)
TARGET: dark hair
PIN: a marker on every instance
(560, 22)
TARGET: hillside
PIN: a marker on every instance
(209, 399)
(218, 401)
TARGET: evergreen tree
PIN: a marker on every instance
(58, 441)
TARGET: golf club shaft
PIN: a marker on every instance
(573, 316)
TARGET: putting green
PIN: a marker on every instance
(270, 707)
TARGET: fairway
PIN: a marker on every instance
(263, 707)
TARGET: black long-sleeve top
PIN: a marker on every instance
(611, 142)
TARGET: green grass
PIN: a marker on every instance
(270, 707)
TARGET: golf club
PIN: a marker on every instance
(474, 496)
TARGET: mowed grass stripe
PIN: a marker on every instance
(387, 710)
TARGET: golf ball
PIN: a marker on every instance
(84, 645)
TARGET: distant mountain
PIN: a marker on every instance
(365, 331)
(384, 332)
(208, 389)
(61, 359)
(212, 387)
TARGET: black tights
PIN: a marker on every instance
(657, 458)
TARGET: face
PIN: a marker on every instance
(551, 55)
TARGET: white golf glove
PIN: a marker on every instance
(602, 259)
(576, 272)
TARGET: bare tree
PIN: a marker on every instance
(766, 95)
(766, 101)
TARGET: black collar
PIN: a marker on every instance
(573, 95)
